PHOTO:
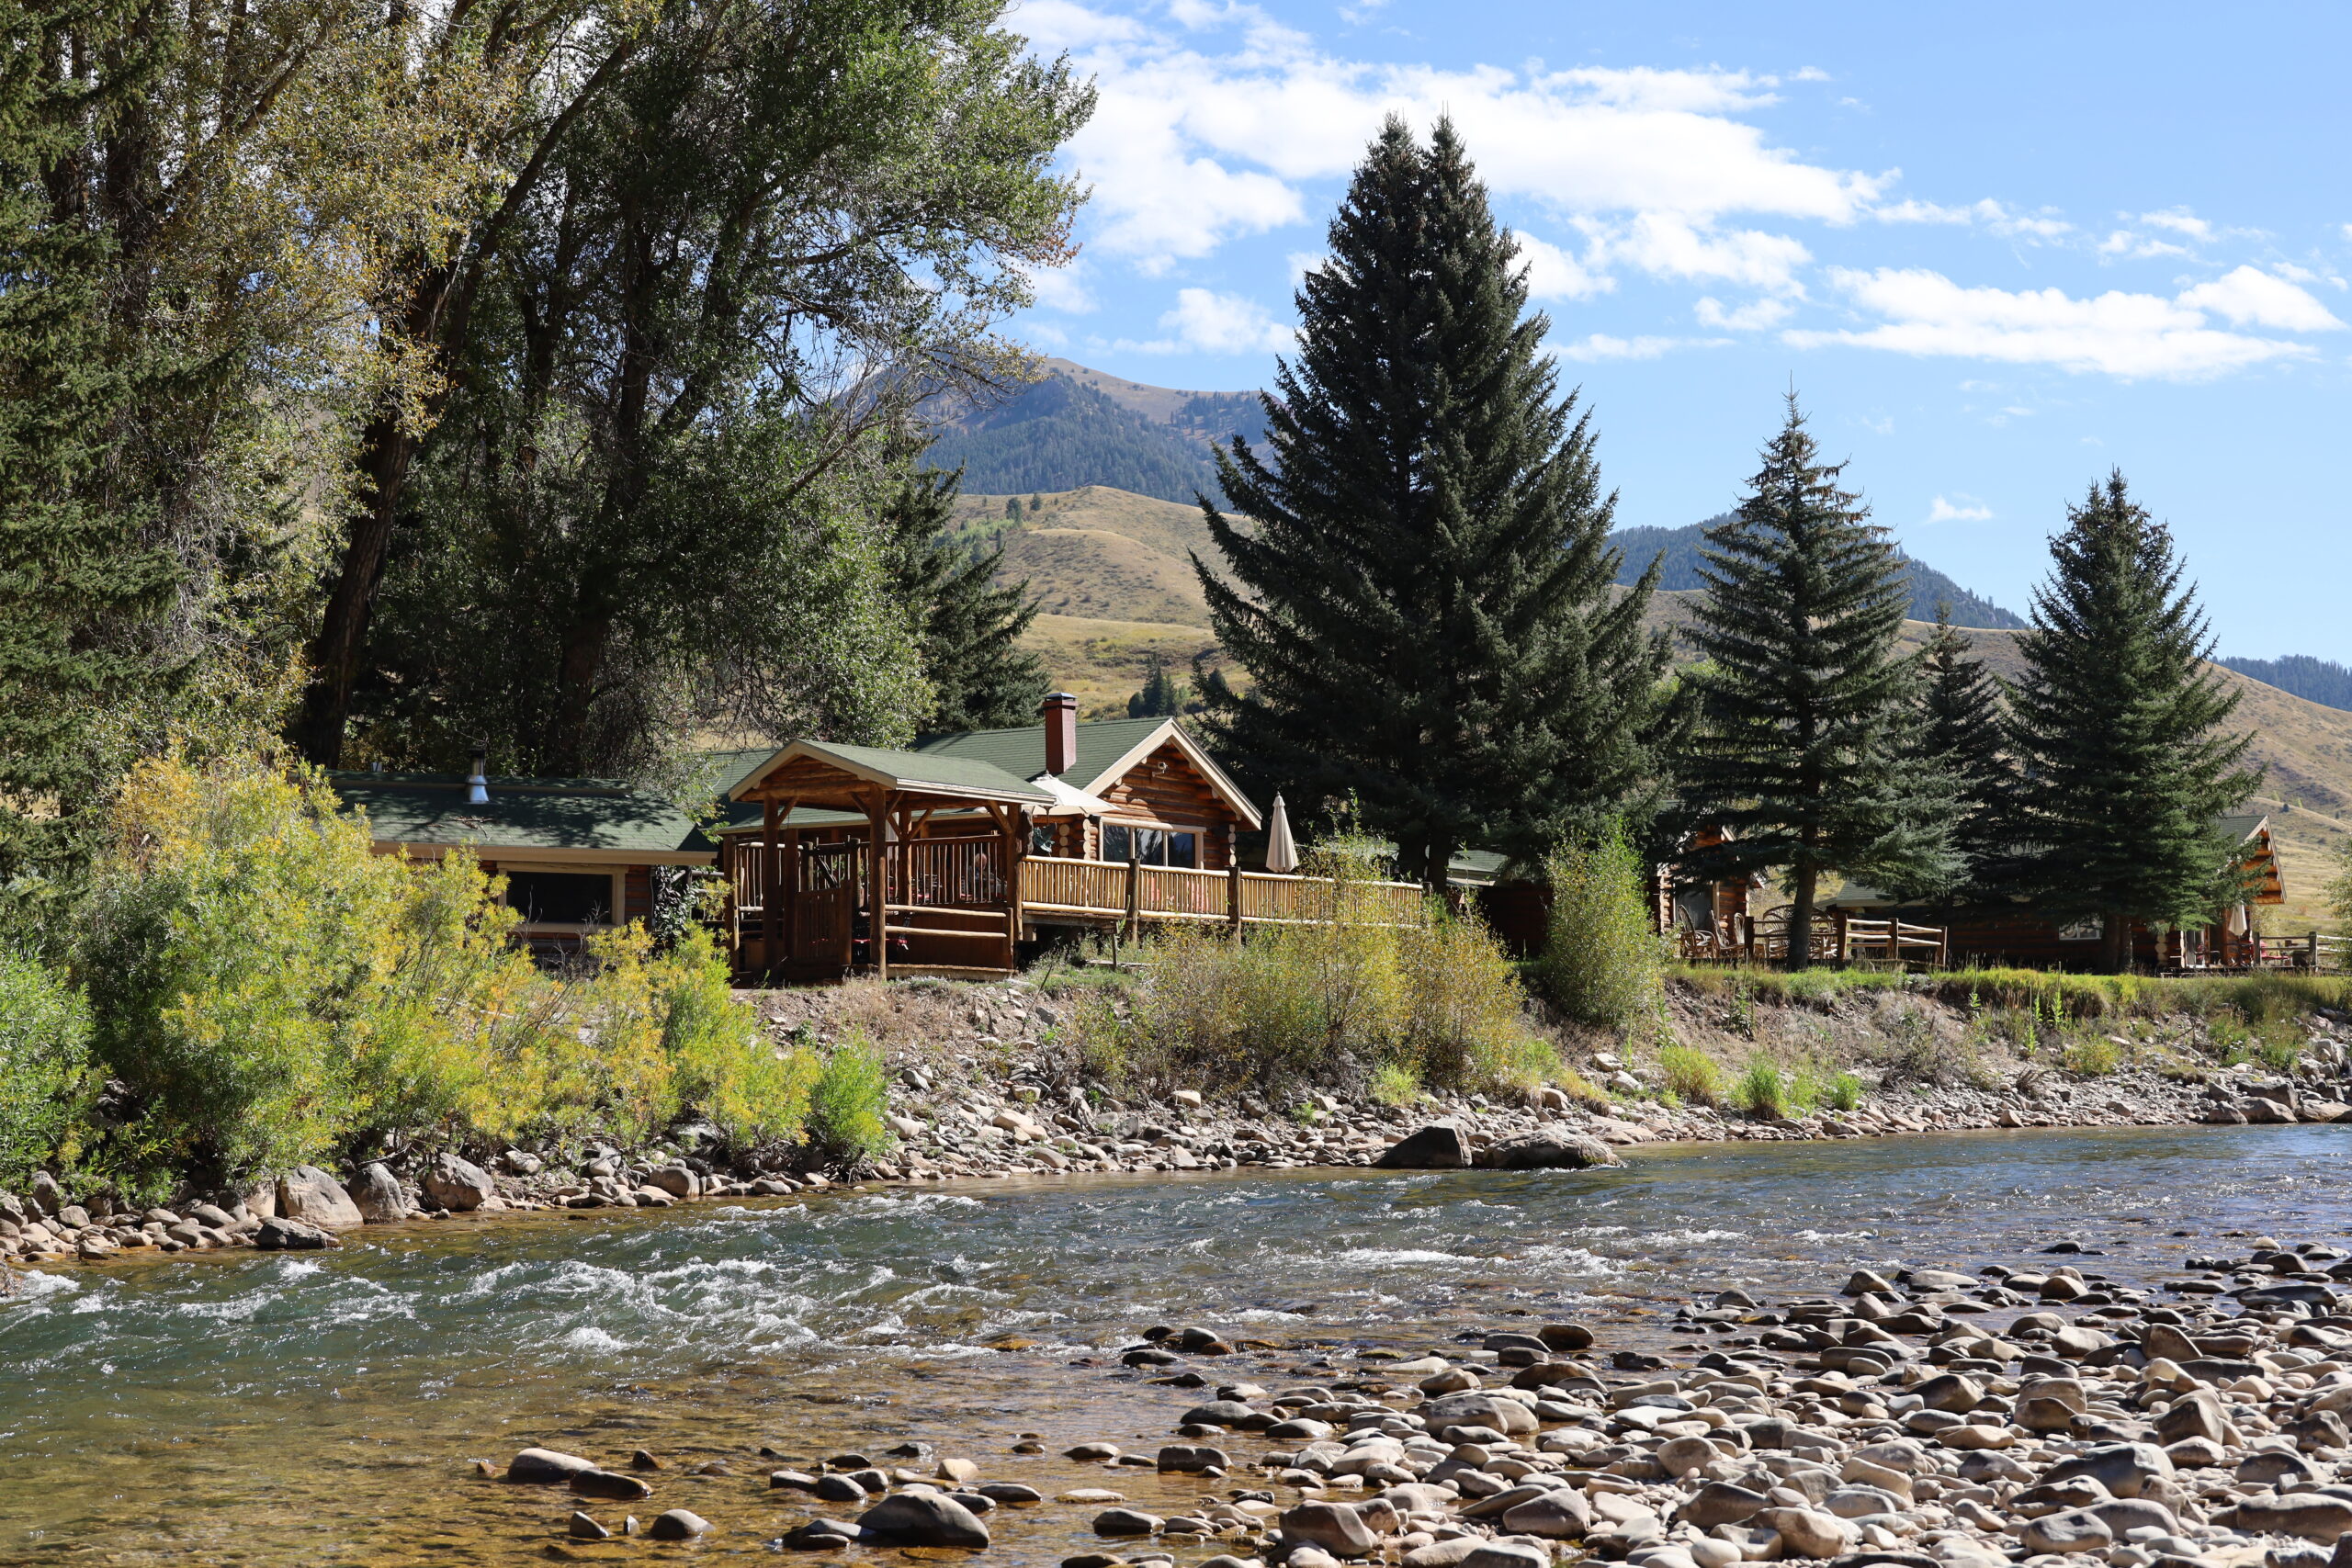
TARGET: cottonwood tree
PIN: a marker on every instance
(1805, 741)
(1420, 569)
(652, 505)
(2119, 728)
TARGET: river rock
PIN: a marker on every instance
(47, 1196)
(1565, 1337)
(1722, 1503)
(1951, 1391)
(1561, 1514)
(2122, 1468)
(293, 1235)
(376, 1193)
(676, 1181)
(457, 1184)
(925, 1518)
(1125, 1521)
(584, 1526)
(2072, 1529)
(1808, 1532)
(1226, 1413)
(608, 1484)
(1547, 1151)
(1507, 1554)
(1508, 1416)
(91, 1245)
(678, 1524)
(1011, 1494)
(2312, 1516)
(1682, 1456)
(1438, 1146)
(1334, 1526)
(2271, 1467)
(2197, 1414)
(838, 1489)
(1191, 1459)
(311, 1195)
(546, 1466)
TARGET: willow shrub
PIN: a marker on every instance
(273, 991)
(1343, 1000)
(1601, 962)
(45, 1077)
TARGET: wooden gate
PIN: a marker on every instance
(825, 903)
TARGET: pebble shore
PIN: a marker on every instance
(1930, 1419)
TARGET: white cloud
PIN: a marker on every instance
(1196, 141)
(1942, 510)
(2133, 246)
(1210, 322)
(1062, 288)
(1554, 273)
(1999, 218)
(1669, 245)
(1601, 345)
(1754, 315)
(2179, 221)
(2249, 298)
(2116, 334)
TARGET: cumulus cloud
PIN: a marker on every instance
(1667, 244)
(1942, 510)
(1197, 139)
(2116, 333)
(1554, 273)
(1211, 322)
(2179, 221)
(2250, 298)
(1754, 315)
(1062, 288)
(1994, 217)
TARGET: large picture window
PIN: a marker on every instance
(561, 898)
(1153, 846)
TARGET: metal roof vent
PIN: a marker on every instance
(477, 785)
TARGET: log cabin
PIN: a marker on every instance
(2020, 937)
(580, 856)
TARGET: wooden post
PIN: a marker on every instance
(789, 919)
(877, 882)
(771, 878)
(1837, 930)
(1016, 849)
(1134, 888)
(1233, 892)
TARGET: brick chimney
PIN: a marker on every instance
(1061, 732)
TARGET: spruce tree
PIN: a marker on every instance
(1805, 740)
(2118, 728)
(80, 587)
(1966, 747)
(1421, 589)
(1162, 695)
(967, 628)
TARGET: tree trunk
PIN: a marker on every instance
(581, 666)
(2115, 942)
(1801, 919)
(335, 652)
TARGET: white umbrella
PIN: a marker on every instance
(1069, 800)
(1281, 851)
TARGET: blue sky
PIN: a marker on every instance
(1996, 248)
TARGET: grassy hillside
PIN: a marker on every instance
(1075, 426)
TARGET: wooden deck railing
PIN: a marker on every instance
(1116, 890)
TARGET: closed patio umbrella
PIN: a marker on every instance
(1281, 851)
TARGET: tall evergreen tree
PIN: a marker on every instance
(81, 584)
(1162, 695)
(1422, 590)
(967, 628)
(2118, 727)
(1805, 742)
(1965, 746)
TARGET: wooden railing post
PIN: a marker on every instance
(1134, 892)
(1837, 929)
(770, 896)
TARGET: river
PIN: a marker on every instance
(322, 1408)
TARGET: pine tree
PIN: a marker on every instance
(1965, 745)
(1162, 695)
(2116, 729)
(1806, 743)
(969, 630)
(1422, 590)
(79, 585)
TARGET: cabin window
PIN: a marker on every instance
(1152, 846)
(560, 898)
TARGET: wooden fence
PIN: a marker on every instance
(1144, 894)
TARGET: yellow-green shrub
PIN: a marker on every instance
(44, 1064)
(1601, 962)
(1690, 1075)
(273, 991)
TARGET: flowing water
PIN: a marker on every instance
(324, 1408)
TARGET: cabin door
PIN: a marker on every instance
(825, 903)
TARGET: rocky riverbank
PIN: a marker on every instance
(1934, 1418)
(982, 1088)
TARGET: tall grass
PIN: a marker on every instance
(1690, 1075)
(1343, 1000)
(1601, 962)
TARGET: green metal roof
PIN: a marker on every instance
(1022, 751)
(945, 770)
(521, 814)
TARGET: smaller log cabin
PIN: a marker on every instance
(2020, 937)
(991, 840)
(578, 855)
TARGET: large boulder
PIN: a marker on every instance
(925, 1518)
(1508, 1416)
(311, 1195)
(1547, 1151)
(1438, 1146)
(1335, 1527)
(675, 1179)
(457, 1184)
(293, 1235)
(378, 1195)
(546, 1466)
(1561, 1514)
